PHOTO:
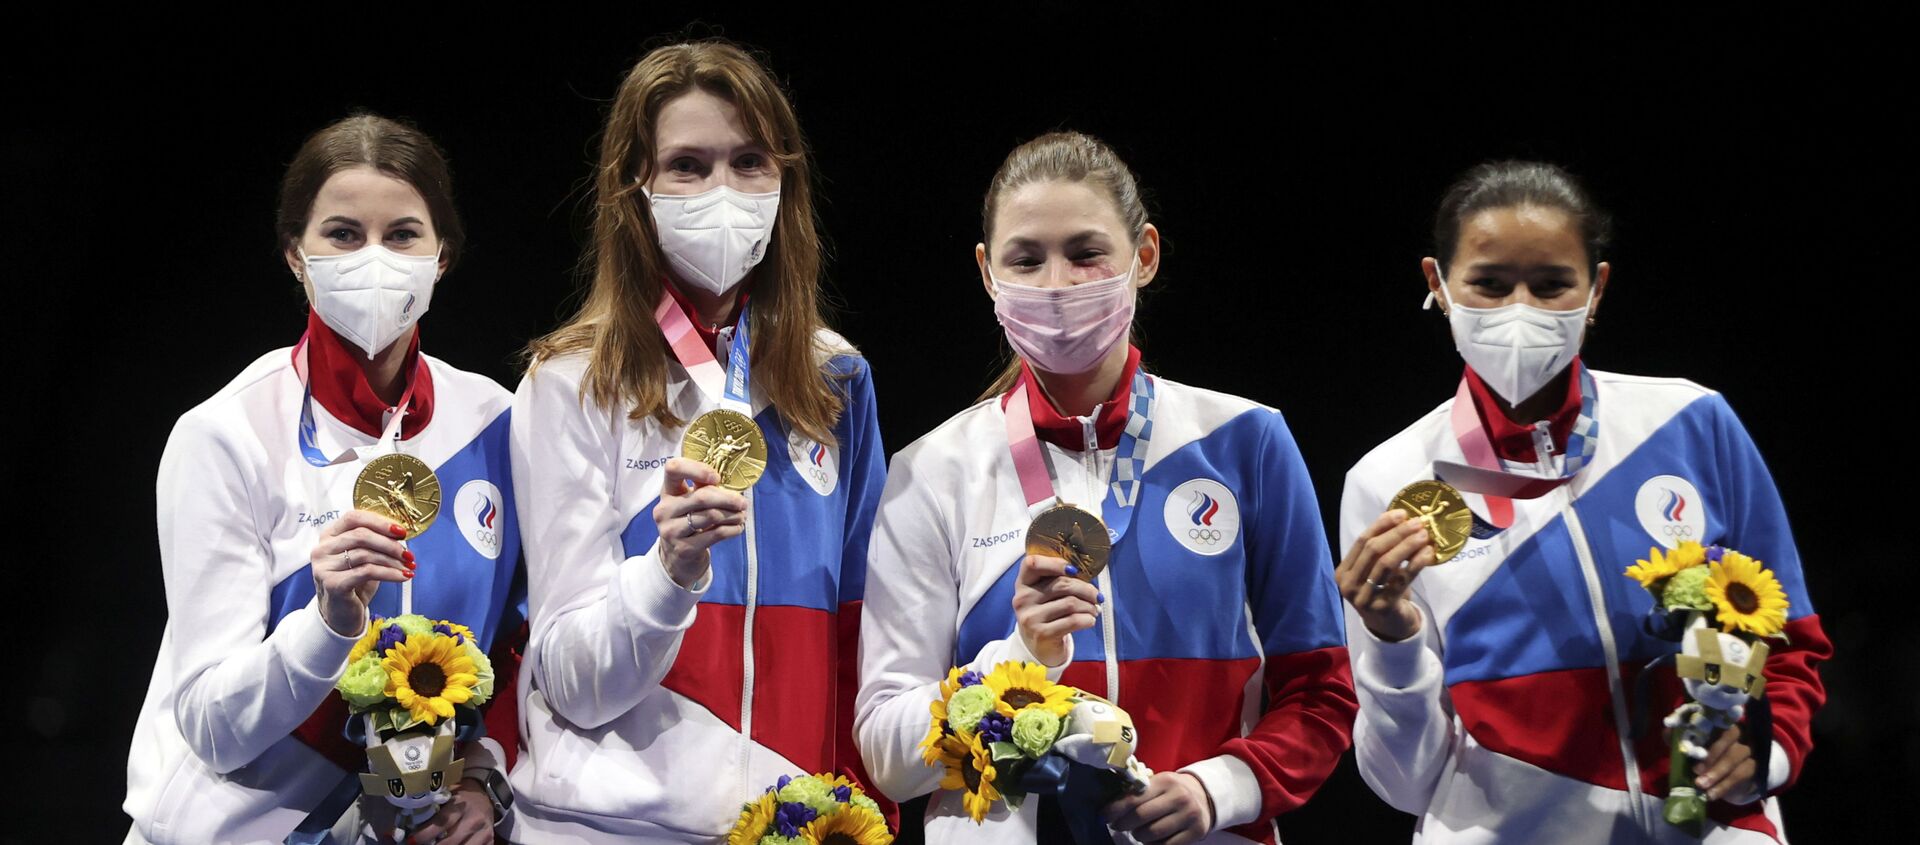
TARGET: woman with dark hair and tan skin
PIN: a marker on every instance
(1497, 688)
(698, 459)
(270, 576)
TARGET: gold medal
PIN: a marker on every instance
(1069, 533)
(1440, 508)
(401, 488)
(731, 443)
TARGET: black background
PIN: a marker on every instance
(1292, 162)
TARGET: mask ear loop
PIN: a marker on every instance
(1431, 298)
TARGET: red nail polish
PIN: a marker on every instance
(397, 531)
(406, 555)
(409, 575)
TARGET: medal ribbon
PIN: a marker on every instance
(1129, 463)
(729, 389)
(309, 441)
(1485, 474)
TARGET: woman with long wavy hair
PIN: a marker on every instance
(701, 460)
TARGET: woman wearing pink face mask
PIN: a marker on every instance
(1215, 622)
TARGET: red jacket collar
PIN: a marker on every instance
(1514, 441)
(709, 334)
(341, 387)
(1064, 431)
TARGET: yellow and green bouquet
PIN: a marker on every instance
(409, 671)
(1719, 604)
(1011, 732)
(811, 810)
(412, 685)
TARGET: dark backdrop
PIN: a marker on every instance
(1292, 162)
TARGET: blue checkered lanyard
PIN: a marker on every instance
(1129, 462)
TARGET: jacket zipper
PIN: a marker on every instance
(1543, 447)
(1096, 490)
(746, 651)
(1615, 685)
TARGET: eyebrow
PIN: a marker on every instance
(1512, 268)
(1075, 240)
(352, 222)
(670, 153)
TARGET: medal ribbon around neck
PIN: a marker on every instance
(309, 433)
(1484, 473)
(728, 388)
(1129, 460)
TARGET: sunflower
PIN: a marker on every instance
(1017, 686)
(755, 818)
(1651, 573)
(428, 675)
(366, 642)
(970, 770)
(1746, 596)
(930, 747)
(850, 826)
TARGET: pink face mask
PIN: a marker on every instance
(1065, 330)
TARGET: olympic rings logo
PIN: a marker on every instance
(1204, 535)
(1678, 531)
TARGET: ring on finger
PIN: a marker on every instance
(346, 559)
(692, 528)
(1378, 585)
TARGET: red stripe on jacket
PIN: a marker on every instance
(1188, 710)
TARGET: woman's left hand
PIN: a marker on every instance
(1729, 766)
(1175, 809)
(466, 818)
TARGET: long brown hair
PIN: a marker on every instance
(389, 146)
(627, 354)
(1070, 157)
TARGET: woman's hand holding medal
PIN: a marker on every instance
(1050, 603)
(1372, 577)
(355, 553)
(694, 513)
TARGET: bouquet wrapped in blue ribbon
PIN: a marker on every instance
(1011, 733)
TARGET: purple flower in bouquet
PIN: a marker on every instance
(971, 678)
(390, 636)
(843, 794)
(791, 817)
(445, 630)
(995, 727)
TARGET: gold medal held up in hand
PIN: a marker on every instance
(1069, 533)
(401, 488)
(731, 443)
(1440, 508)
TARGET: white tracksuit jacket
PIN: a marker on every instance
(1502, 720)
(246, 658)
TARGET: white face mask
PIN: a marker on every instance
(1515, 348)
(713, 238)
(1065, 330)
(371, 296)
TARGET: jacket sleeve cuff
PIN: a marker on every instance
(1232, 788)
(1779, 768)
(1017, 651)
(1396, 665)
(651, 596)
(310, 646)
